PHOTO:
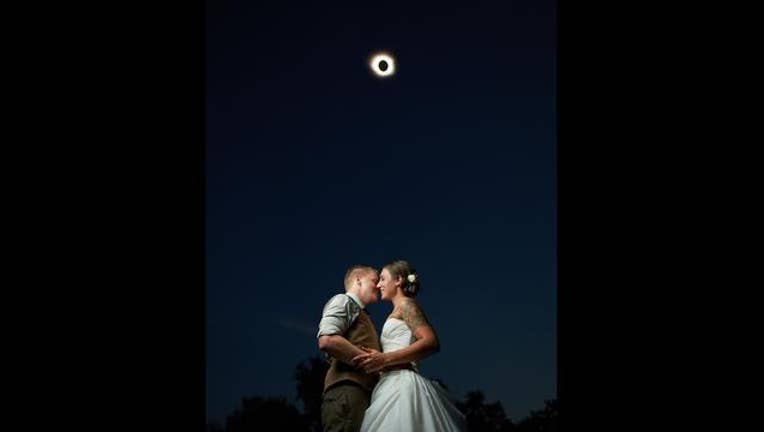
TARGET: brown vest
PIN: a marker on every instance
(361, 333)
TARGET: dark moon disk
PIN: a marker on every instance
(382, 64)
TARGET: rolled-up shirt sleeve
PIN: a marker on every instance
(336, 318)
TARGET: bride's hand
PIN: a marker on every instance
(358, 359)
(373, 361)
(361, 357)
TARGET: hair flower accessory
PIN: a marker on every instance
(411, 278)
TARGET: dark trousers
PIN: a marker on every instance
(343, 407)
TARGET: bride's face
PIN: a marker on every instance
(388, 286)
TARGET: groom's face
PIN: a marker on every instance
(369, 292)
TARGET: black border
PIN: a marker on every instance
(128, 222)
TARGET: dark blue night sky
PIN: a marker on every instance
(313, 165)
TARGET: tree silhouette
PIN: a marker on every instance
(276, 413)
(258, 414)
(541, 421)
(482, 417)
(310, 376)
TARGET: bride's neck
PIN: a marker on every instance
(398, 300)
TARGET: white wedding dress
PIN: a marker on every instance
(403, 400)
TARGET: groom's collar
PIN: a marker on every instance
(357, 300)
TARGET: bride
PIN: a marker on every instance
(403, 400)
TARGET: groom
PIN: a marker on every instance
(345, 326)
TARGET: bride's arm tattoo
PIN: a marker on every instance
(425, 340)
(413, 315)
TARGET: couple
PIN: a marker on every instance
(372, 388)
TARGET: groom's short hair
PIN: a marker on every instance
(356, 271)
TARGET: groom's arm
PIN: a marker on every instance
(338, 347)
(335, 321)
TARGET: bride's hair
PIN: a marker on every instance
(404, 270)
